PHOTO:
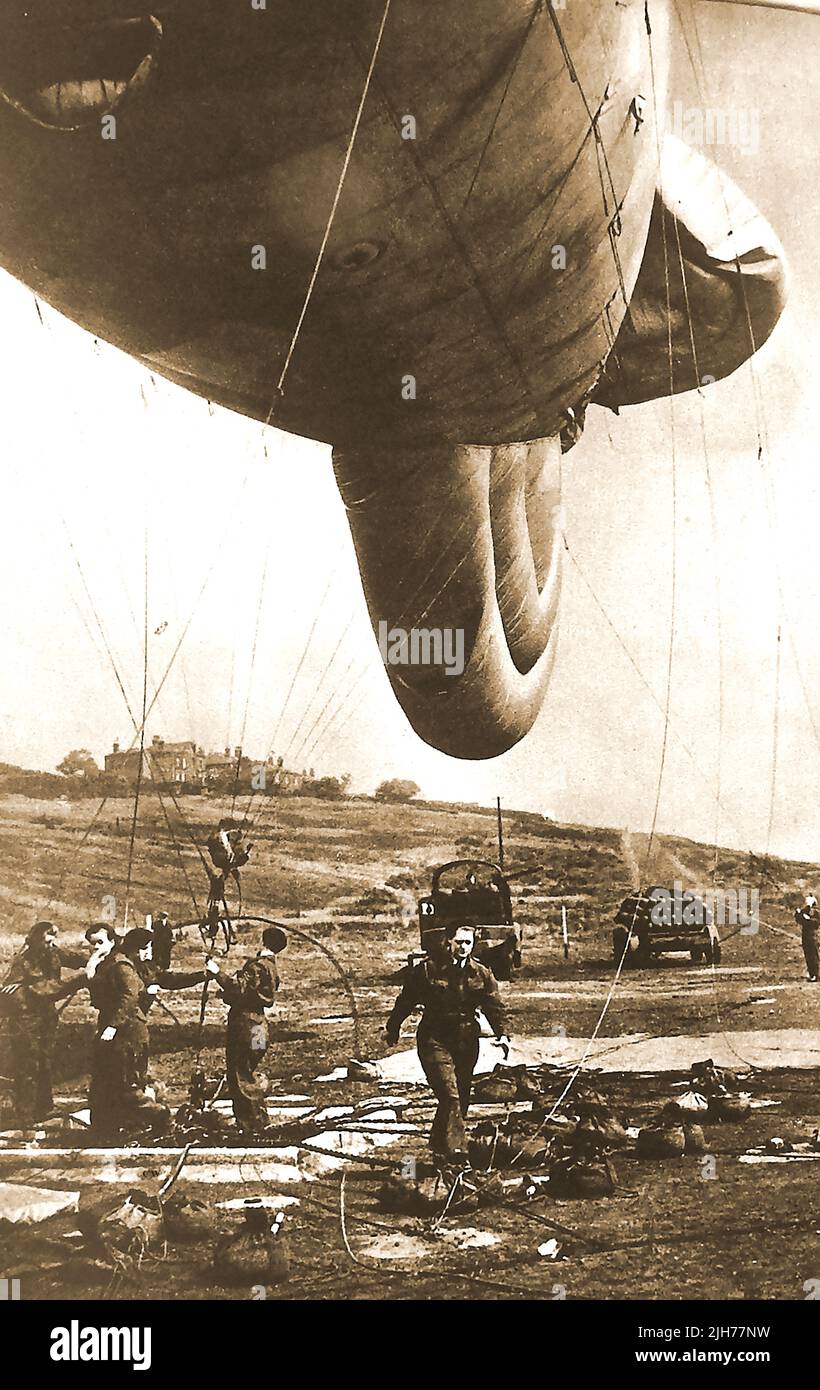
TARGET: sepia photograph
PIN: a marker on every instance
(410, 705)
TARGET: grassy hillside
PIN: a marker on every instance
(348, 859)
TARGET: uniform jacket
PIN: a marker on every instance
(163, 941)
(450, 995)
(253, 988)
(34, 983)
(808, 919)
(166, 979)
(117, 993)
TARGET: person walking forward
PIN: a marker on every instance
(450, 989)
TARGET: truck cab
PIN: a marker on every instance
(471, 893)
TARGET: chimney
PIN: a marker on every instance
(156, 741)
(227, 752)
(237, 752)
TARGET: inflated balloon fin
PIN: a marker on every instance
(460, 559)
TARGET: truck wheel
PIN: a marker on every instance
(712, 953)
(696, 955)
(619, 940)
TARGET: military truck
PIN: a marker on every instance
(471, 893)
(652, 921)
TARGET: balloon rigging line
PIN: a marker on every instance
(538, 7)
(259, 816)
(461, 249)
(294, 679)
(139, 733)
(713, 536)
(764, 453)
(250, 684)
(322, 680)
(673, 461)
(337, 731)
(331, 217)
(138, 787)
(167, 670)
(600, 151)
(323, 733)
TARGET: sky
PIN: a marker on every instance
(96, 458)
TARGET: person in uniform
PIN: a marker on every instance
(102, 939)
(227, 848)
(163, 940)
(450, 988)
(217, 916)
(156, 976)
(248, 994)
(31, 988)
(229, 854)
(119, 1095)
(808, 920)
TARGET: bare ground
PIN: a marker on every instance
(671, 1232)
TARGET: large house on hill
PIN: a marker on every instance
(165, 763)
(188, 767)
(220, 770)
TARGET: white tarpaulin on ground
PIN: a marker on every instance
(640, 1052)
(27, 1205)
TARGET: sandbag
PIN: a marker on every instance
(694, 1139)
(209, 1124)
(558, 1129)
(709, 1079)
(571, 1177)
(490, 1151)
(527, 1086)
(495, 1189)
(259, 1254)
(662, 1141)
(189, 1220)
(729, 1108)
(500, 1087)
(533, 1152)
(508, 1151)
(598, 1129)
(421, 1196)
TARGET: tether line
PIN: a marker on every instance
(138, 787)
(329, 226)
